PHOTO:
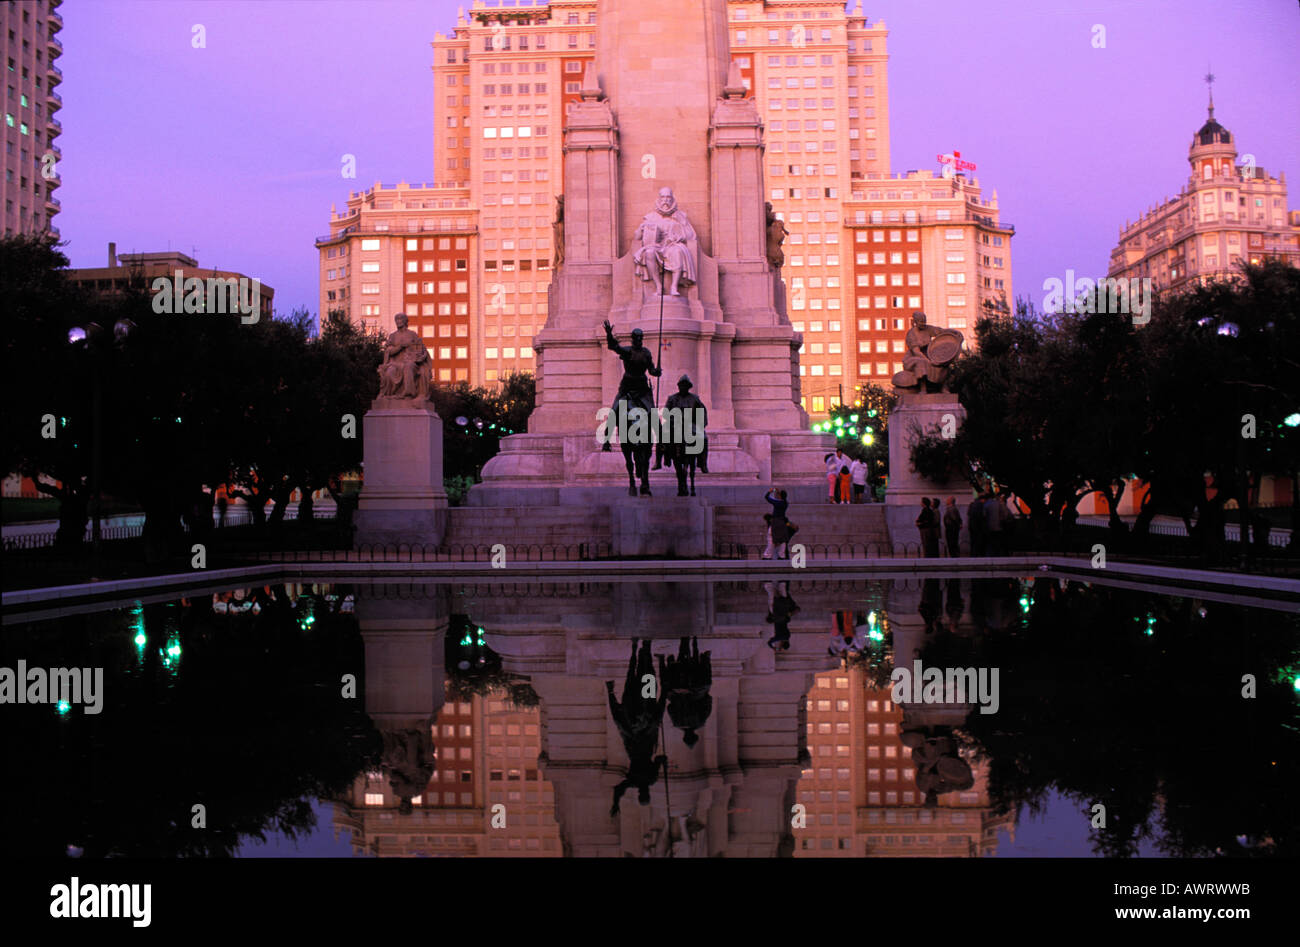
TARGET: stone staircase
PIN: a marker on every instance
(856, 529)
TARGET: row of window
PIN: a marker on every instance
(415, 288)
(523, 177)
(797, 170)
(896, 279)
(804, 193)
(831, 260)
(506, 154)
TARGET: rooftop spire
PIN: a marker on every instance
(1209, 82)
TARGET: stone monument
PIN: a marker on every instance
(402, 498)
(925, 404)
(665, 231)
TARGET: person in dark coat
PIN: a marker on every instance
(780, 525)
(978, 526)
(952, 527)
(638, 719)
(686, 680)
(781, 608)
(927, 526)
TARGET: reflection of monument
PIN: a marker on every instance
(699, 257)
(728, 793)
(760, 717)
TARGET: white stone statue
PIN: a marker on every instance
(667, 246)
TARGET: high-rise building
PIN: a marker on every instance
(1227, 212)
(31, 157)
(412, 250)
(504, 79)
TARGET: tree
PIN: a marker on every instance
(475, 419)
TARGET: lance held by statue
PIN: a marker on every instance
(633, 411)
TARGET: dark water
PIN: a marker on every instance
(454, 719)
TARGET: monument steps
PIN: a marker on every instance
(832, 524)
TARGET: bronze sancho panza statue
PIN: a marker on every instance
(930, 353)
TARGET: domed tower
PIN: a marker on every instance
(1212, 154)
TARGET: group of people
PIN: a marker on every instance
(846, 478)
(989, 522)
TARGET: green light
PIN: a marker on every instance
(1292, 420)
(853, 418)
(1295, 683)
(141, 640)
(1024, 603)
(62, 707)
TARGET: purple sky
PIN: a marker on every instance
(236, 149)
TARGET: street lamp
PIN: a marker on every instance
(93, 339)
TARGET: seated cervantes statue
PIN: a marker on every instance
(930, 353)
(406, 368)
(665, 246)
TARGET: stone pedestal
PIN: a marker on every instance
(918, 414)
(663, 527)
(402, 499)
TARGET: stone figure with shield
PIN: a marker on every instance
(930, 353)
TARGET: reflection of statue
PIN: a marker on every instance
(929, 353)
(409, 762)
(557, 229)
(665, 238)
(637, 719)
(405, 371)
(687, 680)
(939, 766)
(776, 234)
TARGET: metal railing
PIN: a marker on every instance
(446, 552)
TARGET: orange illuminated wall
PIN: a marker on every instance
(437, 269)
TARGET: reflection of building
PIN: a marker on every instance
(860, 789)
(28, 33)
(486, 754)
(774, 715)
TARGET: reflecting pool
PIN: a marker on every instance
(950, 717)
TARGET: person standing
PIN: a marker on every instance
(977, 525)
(993, 515)
(1007, 518)
(780, 525)
(846, 476)
(832, 476)
(926, 524)
(952, 528)
(858, 474)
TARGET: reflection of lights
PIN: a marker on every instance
(62, 707)
(1024, 603)
(1292, 420)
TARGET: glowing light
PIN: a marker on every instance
(853, 418)
(62, 707)
(868, 438)
(1292, 420)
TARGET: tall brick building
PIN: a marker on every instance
(504, 78)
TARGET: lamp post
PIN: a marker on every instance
(94, 340)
